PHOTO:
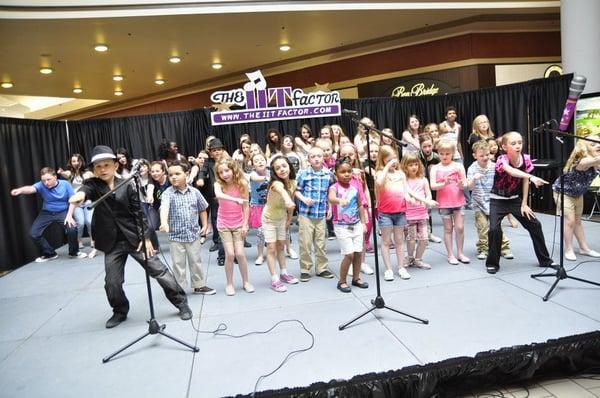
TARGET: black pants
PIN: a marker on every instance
(214, 208)
(114, 265)
(42, 221)
(500, 208)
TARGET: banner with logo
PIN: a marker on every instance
(261, 103)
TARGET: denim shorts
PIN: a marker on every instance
(450, 210)
(388, 220)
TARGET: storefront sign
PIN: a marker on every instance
(416, 90)
(263, 104)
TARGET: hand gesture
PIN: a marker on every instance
(537, 181)
(69, 221)
(308, 201)
(240, 201)
(149, 248)
(527, 212)
(164, 227)
(342, 202)
(15, 192)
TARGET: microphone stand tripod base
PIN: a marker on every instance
(378, 303)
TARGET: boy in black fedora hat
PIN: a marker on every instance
(116, 233)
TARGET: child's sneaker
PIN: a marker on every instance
(421, 264)
(278, 286)
(248, 287)
(229, 290)
(366, 269)
(78, 255)
(481, 255)
(291, 279)
(46, 257)
(291, 253)
(259, 260)
(403, 273)
(508, 255)
(388, 275)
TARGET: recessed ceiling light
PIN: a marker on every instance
(78, 90)
(285, 47)
(7, 85)
(118, 93)
(159, 82)
(118, 78)
(46, 70)
(217, 65)
(101, 48)
(174, 60)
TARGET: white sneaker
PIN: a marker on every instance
(508, 255)
(44, 258)
(93, 253)
(403, 273)
(570, 256)
(78, 255)
(388, 275)
(482, 256)
(291, 254)
(434, 239)
(259, 260)
(366, 269)
(248, 287)
(589, 253)
(229, 290)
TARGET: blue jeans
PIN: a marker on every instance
(114, 265)
(42, 221)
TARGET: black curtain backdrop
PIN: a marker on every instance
(26, 146)
(29, 145)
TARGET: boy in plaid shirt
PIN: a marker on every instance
(311, 191)
(180, 208)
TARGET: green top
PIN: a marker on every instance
(275, 210)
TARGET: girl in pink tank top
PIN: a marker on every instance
(448, 179)
(392, 194)
(231, 190)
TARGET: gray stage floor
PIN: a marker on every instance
(53, 338)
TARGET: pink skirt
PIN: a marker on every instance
(255, 220)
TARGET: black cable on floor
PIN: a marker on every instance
(221, 328)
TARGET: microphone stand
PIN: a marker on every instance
(378, 302)
(561, 273)
(153, 326)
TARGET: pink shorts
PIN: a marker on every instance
(255, 219)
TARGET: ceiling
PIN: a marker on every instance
(242, 35)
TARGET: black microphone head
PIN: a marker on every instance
(577, 86)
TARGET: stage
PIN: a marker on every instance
(53, 339)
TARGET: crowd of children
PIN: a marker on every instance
(329, 182)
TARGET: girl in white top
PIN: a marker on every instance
(304, 140)
(360, 139)
(410, 136)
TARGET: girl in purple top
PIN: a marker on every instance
(580, 170)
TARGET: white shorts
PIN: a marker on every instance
(350, 238)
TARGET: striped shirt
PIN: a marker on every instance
(184, 209)
(314, 185)
(480, 196)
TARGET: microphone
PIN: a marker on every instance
(546, 125)
(575, 90)
(349, 112)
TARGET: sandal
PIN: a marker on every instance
(343, 287)
(359, 283)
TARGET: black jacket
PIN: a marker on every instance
(117, 217)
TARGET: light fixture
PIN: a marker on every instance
(217, 66)
(101, 48)
(174, 60)
(285, 47)
(46, 70)
(78, 90)
(118, 78)
(7, 85)
(159, 82)
(118, 93)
